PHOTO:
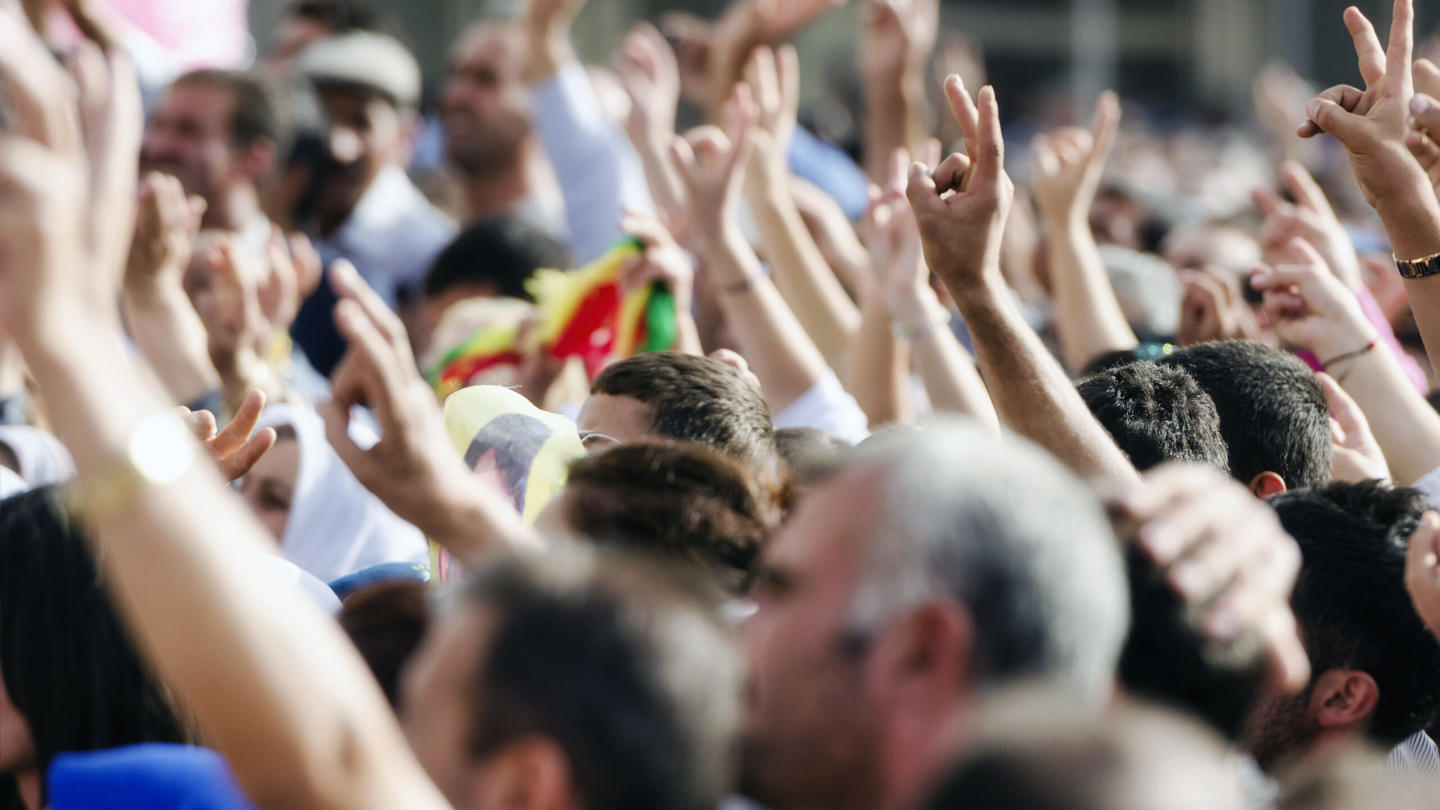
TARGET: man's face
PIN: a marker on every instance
(607, 421)
(809, 736)
(485, 105)
(438, 703)
(366, 134)
(189, 137)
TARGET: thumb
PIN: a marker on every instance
(1341, 124)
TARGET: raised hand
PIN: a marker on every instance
(1069, 163)
(898, 38)
(1213, 307)
(237, 448)
(1424, 117)
(894, 243)
(1371, 124)
(960, 206)
(664, 262)
(166, 223)
(1310, 218)
(546, 24)
(1308, 307)
(412, 468)
(650, 75)
(291, 273)
(709, 162)
(1223, 550)
(774, 81)
(1358, 456)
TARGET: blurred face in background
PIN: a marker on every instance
(189, 137)
(365, 134)
(485, 104)
(269, 488)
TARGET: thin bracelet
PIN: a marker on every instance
(738, 287)
(1325, 365)
(909, 333)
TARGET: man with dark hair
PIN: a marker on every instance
(667, 395)
(1272, 413)
(1156, 414)
(218, 132)
(491, 258)
(647, 719)
(1373, 662)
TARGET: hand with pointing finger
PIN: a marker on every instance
(960, 206)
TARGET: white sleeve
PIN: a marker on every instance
(598, 169)
(1429, 484)
(829, 407)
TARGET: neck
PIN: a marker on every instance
(495, 189)
(921, 749)
(232, 210)
(28, 783)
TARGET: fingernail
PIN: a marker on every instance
(1312, 109)
(1419, 105)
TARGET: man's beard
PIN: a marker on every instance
(1277, 730)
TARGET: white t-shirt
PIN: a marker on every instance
(829, 407)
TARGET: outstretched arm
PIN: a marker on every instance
(293, 707)
(1372, 126)
(710, 163)
(1068, 166)
(960, 207)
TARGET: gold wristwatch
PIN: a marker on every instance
(1419, 268)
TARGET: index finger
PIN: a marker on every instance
(964, 110)
(1107, 123)
(1303, 187)
(349, 286)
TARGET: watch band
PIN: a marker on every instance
(1419, 268)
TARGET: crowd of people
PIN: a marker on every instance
(337, 469)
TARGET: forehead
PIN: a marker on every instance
(830, 530)
(624, 418)
(493, 47)
(197, 99)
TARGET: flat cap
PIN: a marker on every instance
(365, 61)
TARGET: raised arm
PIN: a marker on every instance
(916, 315)
(161, 320)
(293, 707)
(600, 172)
(1068, 167)
(648, 71)
(1372, 126)
(710, 163)
(895, 48)
(1311, 309)
(801, 273)
(960, 207)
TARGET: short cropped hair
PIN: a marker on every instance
(674, 499)
(1272, 412)
(622, 664)
(696, 399)
(1350, 600)
(1156, 414)
(501, 251)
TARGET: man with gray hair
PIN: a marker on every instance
(933, 567)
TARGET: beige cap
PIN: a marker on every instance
(367, 60)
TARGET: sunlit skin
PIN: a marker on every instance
(607, 421)
(269, 489)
